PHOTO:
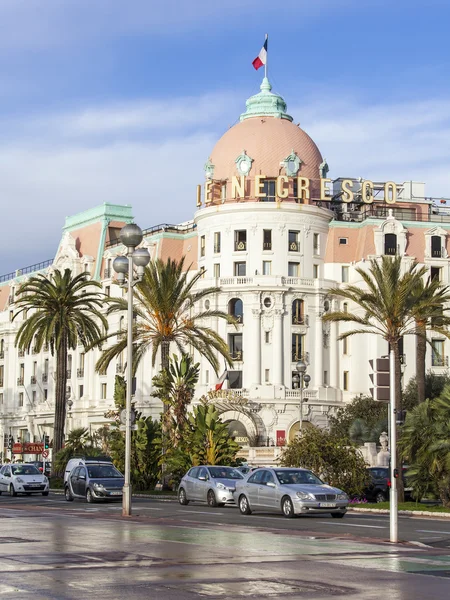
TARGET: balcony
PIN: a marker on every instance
(80, 372)
(439, 361)
(237, 355)
(240, 246)
(301, 320)
(293, 247)
(216, 248)
(68, 373)
(303, 356)
(107, 273)
(267, 245)
(20, 381)
(44, 377)
(33, 380)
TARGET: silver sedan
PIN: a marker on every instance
(291, 491)
(212, 484)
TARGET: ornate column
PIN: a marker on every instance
(319, 341)
(278, 353)
(334, 361)
(254, 373)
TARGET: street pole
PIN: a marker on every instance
(393, 497)
(300, 422)
(126, 505)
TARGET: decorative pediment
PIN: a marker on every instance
(390, 226)
(67, 256)
(436, 242)
(244, 163)
(291, 164)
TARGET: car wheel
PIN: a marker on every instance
(244, 506)
(338, 515)
(89, 496)
(211, 499)
(287, 507)
(45, 493)
(68, 494)
(380, 497)
(12, 491)
(182, 499)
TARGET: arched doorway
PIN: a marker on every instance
(238, 431)
(293, 431)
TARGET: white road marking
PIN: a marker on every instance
(354, 525)
(432, 531)
(199, 512)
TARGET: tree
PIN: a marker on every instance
(434, 386)
(362, 420)
(428, 311)
(387, 301)
(79, 443)
(65, 311)
(175, 386)
(328, 456)
(166, 312)
(205, 441)
(425, 445)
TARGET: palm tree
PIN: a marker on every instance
(63, 312)
(387, 301)
(175, 386)
(428, 311)
(164, 307)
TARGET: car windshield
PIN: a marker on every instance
(225, 473)
(103, 471)
(297, 477)
(24, 470)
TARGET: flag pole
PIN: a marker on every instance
(267, 54)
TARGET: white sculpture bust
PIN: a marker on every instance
(383, 455)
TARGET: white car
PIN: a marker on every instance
(22, 479)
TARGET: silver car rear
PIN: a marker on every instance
(213, 484)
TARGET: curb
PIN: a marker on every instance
(406, 513)
(153, 496)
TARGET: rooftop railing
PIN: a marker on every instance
(157, 229)
(25, 270)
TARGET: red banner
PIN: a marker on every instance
(281, 437)
(28, 448)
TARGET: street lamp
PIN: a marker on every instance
(301, 380)
(130, 236)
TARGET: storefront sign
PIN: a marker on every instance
(28, 448)
(281, 437)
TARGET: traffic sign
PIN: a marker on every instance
(45, 454)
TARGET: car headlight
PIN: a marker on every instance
(20, 480)
(221, 486)
(97, 486)
(342, 496)
(305, 496)
(44, 480)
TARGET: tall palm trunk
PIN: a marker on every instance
(398, 407)
(421, 350)
(165, 361)
(60, 396)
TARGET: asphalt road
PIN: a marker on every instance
(54, 550)
(432, 532)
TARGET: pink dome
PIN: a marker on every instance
(268, 141)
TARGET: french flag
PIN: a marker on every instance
(261, 59)
(222, 380)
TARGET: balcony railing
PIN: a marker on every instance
(44, 377)
(2, 354)
(68, 373)
(439, 361)
(107, 273)
(21, 353)
(293, 246)
(267, 245)
(237, 355)
(31, 269)
(300, 320)
(216, 248)
(240, 246)
(1, 382)
(80, 372)
(20, 381)
(303, 356)
(33, 379)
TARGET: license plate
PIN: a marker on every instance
(34, 484)
(115, 493)
(327, 505)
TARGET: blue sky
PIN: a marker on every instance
(107, 101)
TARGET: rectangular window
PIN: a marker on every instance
(235, 345)
(11, 315)
(216, 270)
(345, 381)
(267, 267)
(297, 347)
(437, 354)
(316, 271)
(22, 370)
(240, 240)
(390, 244)
(2, 372)
(345, 307)
(21, 399)
(268, 188)
(435, 273)
(103, 391)
(45, 393)
(267, 337)
(33, 397)
(223, 192)
(217, 242)
(202, 245)
(343, 241)
(267, 239)
(240, 269)
(1, 399)
(344, 274)
(80, 391)
(325, 378)
(293, 241)
(202, 272)
(293, 269)
(316, 249)
(267, 376)
(345, 346)
(235, 380)
(108, 291)
(207, 376)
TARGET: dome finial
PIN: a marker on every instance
(266, 104)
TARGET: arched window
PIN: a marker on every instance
(390, 244)
(436, 246)
(236, 308)
(298, 316)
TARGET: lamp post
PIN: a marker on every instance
(301, 380)
(130, 236)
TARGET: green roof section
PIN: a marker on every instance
(104, 212)
(266, 104)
